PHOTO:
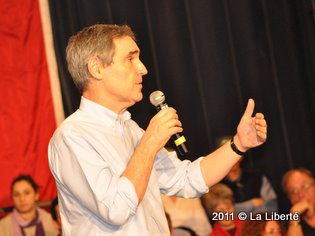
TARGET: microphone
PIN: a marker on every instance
(157, 99)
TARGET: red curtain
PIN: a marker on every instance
(26, 110)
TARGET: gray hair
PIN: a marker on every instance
(216, 194)
(288, 174)
(93, 41)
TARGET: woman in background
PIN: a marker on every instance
(262, 227)
(26, 219)
(218, 203)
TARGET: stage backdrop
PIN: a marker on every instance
(27, 118)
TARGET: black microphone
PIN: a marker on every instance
(157, 99)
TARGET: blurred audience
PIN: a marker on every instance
(299, 186)
(262, 227)
(26, 219)
(252, 190)
(55, 213)
(219, 206)
(186, 215)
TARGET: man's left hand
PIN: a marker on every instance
(251, 131)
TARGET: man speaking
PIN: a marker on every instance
(110, 172)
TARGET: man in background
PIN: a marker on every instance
(300, 189)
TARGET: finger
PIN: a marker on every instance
(262, 136)
(169, 116)
(166, 110)
(171, 109)
(259, 116)
(175, 130)
(261, 129)
(173, 123)
(166, 114)
(261, 122)
(249, 109)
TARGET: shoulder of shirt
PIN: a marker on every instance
(133, 123)
(68, 126)
(44, 212)
(5, 220)
(76, 119)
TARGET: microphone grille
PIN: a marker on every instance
(157, 98)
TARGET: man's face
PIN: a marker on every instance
(300, 187)
(123, 77)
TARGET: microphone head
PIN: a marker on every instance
(157, 98)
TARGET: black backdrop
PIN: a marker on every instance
(209, 57)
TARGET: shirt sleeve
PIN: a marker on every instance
(84, 175)
(266, 191)
(175, 177)
(269, 195)
(179, 178)
(246, 206)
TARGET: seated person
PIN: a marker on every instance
(252, 191)
(262, 227)
(299, 186)
(187, 213)
(26, 219)
(219, 199)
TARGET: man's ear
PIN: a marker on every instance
(95, 68)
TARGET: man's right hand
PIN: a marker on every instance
(303, 208)
(161, 127)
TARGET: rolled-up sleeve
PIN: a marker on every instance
(179, 178)
(89, 181)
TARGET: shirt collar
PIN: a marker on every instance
(102, 112)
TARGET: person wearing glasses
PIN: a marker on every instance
(300, 189)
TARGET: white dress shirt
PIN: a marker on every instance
(87, 156)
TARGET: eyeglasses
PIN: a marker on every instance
(303, 189)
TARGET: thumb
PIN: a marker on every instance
(250, 108)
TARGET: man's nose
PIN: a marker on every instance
(301, 196)
(21, 198)
(142, 69)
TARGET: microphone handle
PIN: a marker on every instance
(180, 143)
(179, 138)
